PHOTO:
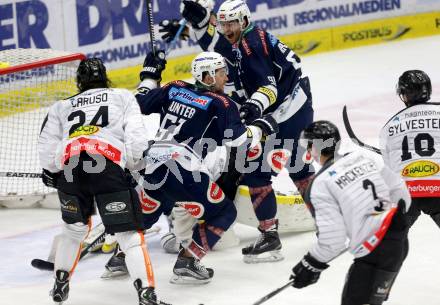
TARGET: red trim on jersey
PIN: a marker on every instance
(91, 146)
(424, 188)
(263, 41)
(246, 47)
(375, 240)
(220, 97)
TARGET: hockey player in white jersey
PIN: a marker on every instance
(410, 144)
(85, 143)
(354, 197)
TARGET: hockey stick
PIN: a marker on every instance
(353, 137)
(275, 292)
(20, 175)
(45, 265)
(151, 26)
(173, 42)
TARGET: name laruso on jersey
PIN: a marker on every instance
(426, 123)
(89, 100)
(355, 173)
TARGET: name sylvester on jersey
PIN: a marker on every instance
(353, 174)
(414, 124)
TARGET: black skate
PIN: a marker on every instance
(265, 249)
(60, 291)
(147, 296)
(116, 266)
(189, 270)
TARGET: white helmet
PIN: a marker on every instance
(207, 62)
(234, 10)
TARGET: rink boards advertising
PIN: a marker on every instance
(117, 31)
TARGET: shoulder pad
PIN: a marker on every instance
(178, 83)
(220, 97)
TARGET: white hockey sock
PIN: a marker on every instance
(136, 256)
(68, 249)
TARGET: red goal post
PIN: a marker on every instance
(31, 80)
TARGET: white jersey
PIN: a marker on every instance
(410, 144)
(353, 200)
(103, 121)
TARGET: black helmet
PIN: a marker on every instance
(324, 131)
(415, 85)
(91, 73)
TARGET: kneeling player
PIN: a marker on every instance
(84, 145)
(354, 197)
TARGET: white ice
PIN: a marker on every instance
(363, 79)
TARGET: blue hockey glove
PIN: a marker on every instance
(170, 28)
(267, 124)
(153, 66)
(195, 14)
(50, 179)
(250, 111)
(307, 271)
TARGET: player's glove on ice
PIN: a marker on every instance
(250, 111)
(307, 271)
(267, 124)
(195, 14)
(170, 28)
(50, 179)
(153, 66)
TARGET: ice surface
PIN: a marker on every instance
(364, 79)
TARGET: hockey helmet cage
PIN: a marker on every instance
(91, 73)
(415, 85)
(208, 62)
(324, 135)
(231, 10)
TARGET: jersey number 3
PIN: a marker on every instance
(367, 183)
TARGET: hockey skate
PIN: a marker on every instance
(265, 249)
(60, 291)
(116, 266)
(147, 296)
(189, 270)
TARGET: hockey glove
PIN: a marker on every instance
(50, 179)
(267, 124)
(170, 28)
(400, 220)
(153, 66)
(195, 14)
(250, 111)
(307, 271)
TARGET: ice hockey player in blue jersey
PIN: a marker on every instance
(269, 79)
(194, 120)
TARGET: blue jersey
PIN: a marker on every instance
(189, 114)
(265, 67)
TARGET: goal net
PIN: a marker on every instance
(30, 81)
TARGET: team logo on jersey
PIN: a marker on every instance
(421, 168)
(277, 159)
(215, 193)
(190, 98)
(149, 204)
(84, 131)
(307, 157)
(255, 152)
(196, 209)
(115, 207)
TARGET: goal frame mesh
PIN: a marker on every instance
(22, 75)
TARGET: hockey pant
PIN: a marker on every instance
(270, 158)
(78, 194)
(371, 277)
(201, 197)
(428, 205)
